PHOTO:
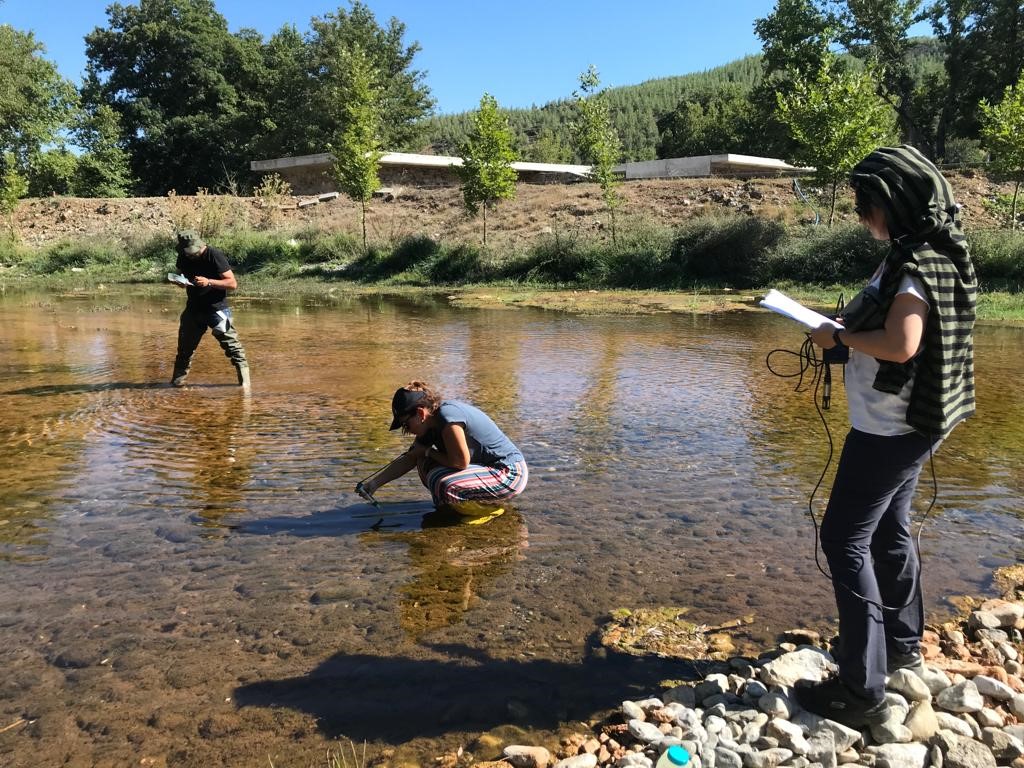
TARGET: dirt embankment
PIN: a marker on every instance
(565, 210)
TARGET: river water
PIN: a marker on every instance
(188, 578)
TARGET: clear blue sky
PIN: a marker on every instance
(522, 51)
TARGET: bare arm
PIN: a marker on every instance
(456, 450)
(898, 341)
(227, 281)
(403, 464)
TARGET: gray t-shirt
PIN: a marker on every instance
(488, 445)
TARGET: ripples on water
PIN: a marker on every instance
(169, 554)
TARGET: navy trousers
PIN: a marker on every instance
(867, 539)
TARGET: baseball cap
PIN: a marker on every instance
(403, 402)
(189, 242)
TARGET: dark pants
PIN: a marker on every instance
(867, 539)
(192, 326)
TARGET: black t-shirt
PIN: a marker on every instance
(212, 264)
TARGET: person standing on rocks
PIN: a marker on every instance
(210, 275)
(909, 381)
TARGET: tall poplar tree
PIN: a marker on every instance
(1002, 131)
(356, 151)
(597, 140)
(487, 156)
(836, 118)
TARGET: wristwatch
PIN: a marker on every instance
(835, 337)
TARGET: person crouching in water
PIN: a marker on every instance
(466, 462)
(909, 381)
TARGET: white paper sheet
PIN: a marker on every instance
(779, 302)
(179, 279)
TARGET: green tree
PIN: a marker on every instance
(103, 170)
(711, 121)
(35, 101)
(597, 140)
(356, 152)
(404, 97)
(487, 156)
(836, 118)
(52, 172)
(1002, 130)
(167, 68)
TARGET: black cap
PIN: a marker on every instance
(402, 403)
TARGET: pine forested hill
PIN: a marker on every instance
(542, 133)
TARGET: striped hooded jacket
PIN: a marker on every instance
(927, 243)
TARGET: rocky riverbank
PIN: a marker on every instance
(965, 709)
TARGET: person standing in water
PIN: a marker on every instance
(466, 462)
(206, 306)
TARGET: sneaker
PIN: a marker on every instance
(832, 699)
(912, 660)
(179, 380)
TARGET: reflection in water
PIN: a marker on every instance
(166, 554)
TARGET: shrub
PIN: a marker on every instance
(730, 251)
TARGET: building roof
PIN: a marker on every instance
(409, 159)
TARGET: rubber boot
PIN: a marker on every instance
(243, 375)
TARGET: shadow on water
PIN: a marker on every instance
(398, 699)
(80, 389)
(356, 518)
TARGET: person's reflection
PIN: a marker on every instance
(453, 561)
(221, 453)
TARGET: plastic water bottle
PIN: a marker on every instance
(673, 757)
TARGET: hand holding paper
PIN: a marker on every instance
(779, 302)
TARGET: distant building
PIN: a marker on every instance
(709, 165)
(311, 174)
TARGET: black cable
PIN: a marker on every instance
(809, 361)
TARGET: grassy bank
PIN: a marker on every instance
(707, 263)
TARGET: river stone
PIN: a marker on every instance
(790, 735)
(891, 732)
(1008, 613)
(681, 694)
(776, 705)
(635, 759)
(804, 664)
(953, 723)
(726, 758)
(983, 620)
(960, 752)
(936, 680)
(527, 757)
(1010, 654)
(899, 706)
(962, 697)
(989, 718)
(1017, 731)
(922, 721)
(644, 731)
(650, 704)
(633, 711)
(1016, 706)
(909, 684)
(935, 755)
(578, 761)
(754, 690)
(842, 737)
(899, 755)
(989, 686)
(1004, 746)
(766, 758)
(822, 748)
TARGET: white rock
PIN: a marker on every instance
(922, 721)
(726, 758)
(1016, 705)
(989, 686)
(900, 755)
(907, 683)
(643, 731)
(804, 664)
(962, 697)
(651, 704)
(936, 680)
(776, 705)
(527, 757)
(766, 758)
(1006, 612)
(1004, 747)
(1009, 652)
(633, 711)
(578, 761)
(897, 704)
(634, 760)
(891, 732)
(989, 718)
(953, 723)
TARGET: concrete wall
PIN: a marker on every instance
(668, 168)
